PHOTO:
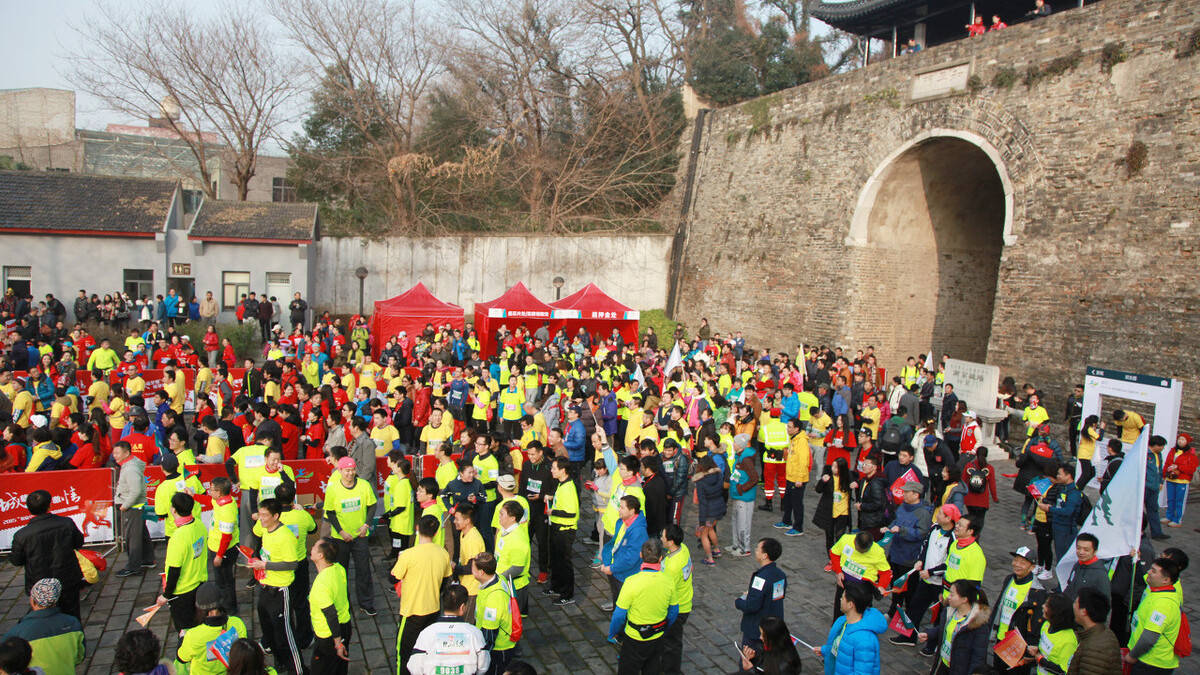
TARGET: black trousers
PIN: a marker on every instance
(899, 570)
(539, 535)
(614, 587)
(499, 661)
(361, 552)
(793, 505)
(978, 514)
(1087, 471)
(562, 574)
(138, 547)
(223, 576)
(183, 610)
(406, 638)
(640, 658)
(672, 646)
(298, 597)
(325, 660)
(274, 611)
(921, 597)
(68, 600)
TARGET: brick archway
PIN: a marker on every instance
(859, 223)
(931, 225)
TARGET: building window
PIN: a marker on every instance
(139, 283)
(281, 191)
(233, 286)
(191, 200)
(19, 279)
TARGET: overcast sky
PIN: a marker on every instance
(36, 37)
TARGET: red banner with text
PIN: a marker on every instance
(83, 495)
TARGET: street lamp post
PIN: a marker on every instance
(558, 284)
(361, 273)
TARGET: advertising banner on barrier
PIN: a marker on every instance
(84, 495)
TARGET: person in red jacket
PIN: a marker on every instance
(976, 27)
(1177, 472)
(980, 479)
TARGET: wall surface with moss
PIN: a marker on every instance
(1094, 115)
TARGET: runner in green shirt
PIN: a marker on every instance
(350, 511)
(329, 609)
(1157, 619)
(192, 657)
(276, 571)
(186, 562)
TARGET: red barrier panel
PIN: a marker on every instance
(83, 495)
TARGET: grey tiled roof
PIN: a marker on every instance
(222, 219)
(57, 201)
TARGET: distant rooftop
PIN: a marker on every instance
(283, 222)
(59, 202)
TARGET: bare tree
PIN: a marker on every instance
(229, 81)
(380, 62)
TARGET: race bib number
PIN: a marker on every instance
(838, 497)
(449, 670)
(669, 467)
(1045, 646)
(490, 614)
(778, 591)
(225, 528)
(533, 486)
(1157, 619)
(953, 561)
(757, 583)
(180, 485)
(493, 474)
(853, 568)
(351, 505)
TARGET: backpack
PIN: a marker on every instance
(514, 610)
(1084, 510)
(891, 438)
(1183, 641)
(976, 481)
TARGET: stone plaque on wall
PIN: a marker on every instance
(975, 383)
(940, 82)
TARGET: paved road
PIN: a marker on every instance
(560, 640)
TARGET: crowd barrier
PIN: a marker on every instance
(87, 495)
(83, 495)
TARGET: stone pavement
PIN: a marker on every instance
(572, 639)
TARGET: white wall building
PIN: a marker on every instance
(62, 232)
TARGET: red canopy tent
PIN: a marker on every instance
(596, 312)
(515, 307)
(409, 312)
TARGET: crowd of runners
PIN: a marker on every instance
(645, 449)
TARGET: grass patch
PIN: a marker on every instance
(1112, 54)
(1190, 46)
(1005, 78)
(664, 326)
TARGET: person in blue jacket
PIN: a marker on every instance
(622, 555)
(852, 647)
(764, 597)
(1061, 504)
